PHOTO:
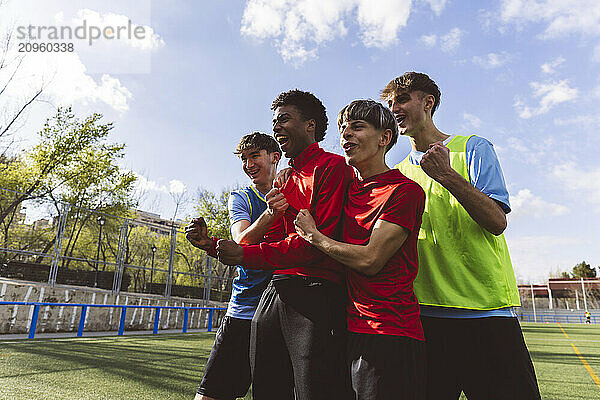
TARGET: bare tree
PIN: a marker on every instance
(13, 109)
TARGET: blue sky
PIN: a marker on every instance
(524, 74)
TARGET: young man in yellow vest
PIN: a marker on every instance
(466, 285)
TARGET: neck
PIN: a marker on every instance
(264, 188)
(369, 169)
(426, 135)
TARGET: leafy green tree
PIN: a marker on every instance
(73, 163)
(69, 152)
(213, 207)
(583, 270)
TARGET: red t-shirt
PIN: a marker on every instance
(384, 303)
(317, 183)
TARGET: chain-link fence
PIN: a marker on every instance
(50, 241)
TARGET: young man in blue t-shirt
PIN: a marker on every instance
(227, 372)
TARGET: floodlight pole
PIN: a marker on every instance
(101, 222)
(584, 297)
(533, 302)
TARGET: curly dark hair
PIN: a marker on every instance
(258, 141)
(409, 82)
(309, 106)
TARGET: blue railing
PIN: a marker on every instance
(84, 307)
(569, 319)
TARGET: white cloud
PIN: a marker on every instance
(298, 28)
(516, 144)
(579, 121)
(437, 6)
(532, 151)
(549, 94)
(380, 21)
(66, 76)
(429, 40)
(66, 81)
(150, 39)
(143, 184)
(560, 18)
(526, 204)
(177, 187)
(492, 60)
(471, 122)
(550, 68)
(451, 41)
(535, 257)
(584, 182)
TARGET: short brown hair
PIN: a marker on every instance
(258, 141)
(409, 82)
(372, 112)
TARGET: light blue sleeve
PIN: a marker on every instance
(239, 207)
(485, 172)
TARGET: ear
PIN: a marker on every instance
(275, 157)
(428, 102)
(385, 138)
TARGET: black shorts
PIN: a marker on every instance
(386, 367)
(227, 372)
(484, 357)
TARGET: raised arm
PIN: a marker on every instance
(483, 209)
(293, 251)
(245, 233)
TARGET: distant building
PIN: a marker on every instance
(41, 224)
(155, 223)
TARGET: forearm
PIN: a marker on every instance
(255, 233)
(483, 209)
(357, 257)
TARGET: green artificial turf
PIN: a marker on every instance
(131, 367)
(171, 366)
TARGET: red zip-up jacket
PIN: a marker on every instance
(318, 183)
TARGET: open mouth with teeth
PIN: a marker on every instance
(400, 118)
(253, 174)
(282, 140)
(348, 146)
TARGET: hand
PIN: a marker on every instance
(229, 252)
(282, 177)
(305, 225)
(436, 162)
(276, 203)
(197, 234)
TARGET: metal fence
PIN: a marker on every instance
(138, 252)
(121, 329)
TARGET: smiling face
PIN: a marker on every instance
(362, 142)
(292, 132)
(410, 110)
(259, 165)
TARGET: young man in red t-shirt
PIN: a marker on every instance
(381, 221)
(297, 342)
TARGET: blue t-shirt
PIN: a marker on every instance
(486, 175)
(246, 204)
